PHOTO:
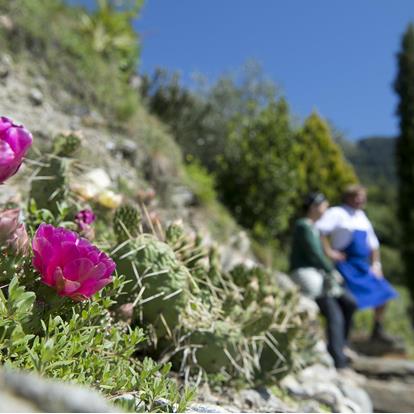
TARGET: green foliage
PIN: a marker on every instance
(87, 348)
(158, 281)
(404, 86)
(257, 175)
(201, 182)
(198, 119)
(92, 56)
(126, 222)
(372, 170)
(322, 166)
(50, 186)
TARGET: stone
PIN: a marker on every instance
(182, 197)
(128, 148)
(382, 367)
(6, 23)
(391, 396)
(323, 355)
(251, 398)
(36, 96)
(205, 408)
(5, 66)
(358, 396)
(30, 392)
(376, 348)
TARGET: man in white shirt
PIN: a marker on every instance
(350, 241)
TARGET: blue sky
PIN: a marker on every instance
(337, 57)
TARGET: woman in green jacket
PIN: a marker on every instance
(317, 278)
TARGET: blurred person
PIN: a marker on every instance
(317, 278)
(350, 241)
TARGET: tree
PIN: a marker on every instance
(404, 86)
(257, 172)
(198, 118)
(322, 166)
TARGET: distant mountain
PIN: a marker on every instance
(372, 158)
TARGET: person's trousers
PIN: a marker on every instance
(338, 312)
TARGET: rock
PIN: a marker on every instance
(251, 398)
(382, 367)
(272, 404)
(284, 281)
(391, 396)
(93, 119)
(309, 307)
(165, 405)
(323, 384)
(21, 391)
(128, 149)
(205, 408)
(5, 66)
(36, 96)
(324, 357)
(376, 348)
(357, 396)
(6, 23)
(182, 197)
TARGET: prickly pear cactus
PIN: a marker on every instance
(188, 249)
(162, 281)
(277, 356)
(258, 321)
(126, 222)
(216, 348)
(50, 186)
(67, 143)
(174, 235)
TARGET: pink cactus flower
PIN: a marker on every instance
(15, 140)
(13, 235)
(69, 263)
(85, 216)
(84, 219)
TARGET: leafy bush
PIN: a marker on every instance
(201, 182)
(322, 166)
(257, 172)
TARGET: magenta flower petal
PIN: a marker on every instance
(70, 264)
(64, 287)
(78, 269)
(88, 288)
(86, 216)
(15, 141)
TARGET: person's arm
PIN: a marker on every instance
(376, 266)
(333, 254)
(309, 244)
(374, 245)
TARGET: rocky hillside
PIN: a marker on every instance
(183, 234)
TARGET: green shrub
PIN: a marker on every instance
(257, 173)
(201, 182)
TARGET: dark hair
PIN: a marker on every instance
(313, 199)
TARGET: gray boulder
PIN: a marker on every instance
(26, 392)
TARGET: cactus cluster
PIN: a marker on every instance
(49, 187)
(236, 322)
(126, 222)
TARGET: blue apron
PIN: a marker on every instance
(368, 290)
